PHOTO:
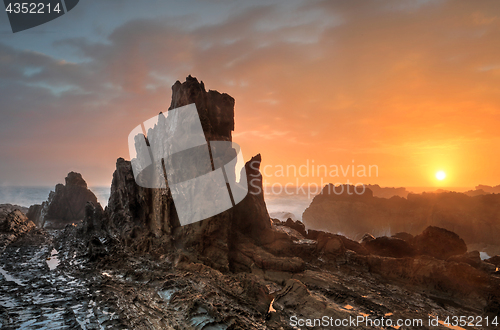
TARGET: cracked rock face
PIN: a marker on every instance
(146, 219)
(12, 225)
(16, 222)
(216, 110)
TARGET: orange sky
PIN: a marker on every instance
(411, 87)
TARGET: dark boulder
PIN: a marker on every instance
(276, 222)
(439, 243)
(330, 244)
(389, 247)
(472, 258)
(431, 273)
(353, 245)
(12, 226)
(297, 225)
(93, 217)
(348, 244)
(34, 213)
(494, 260)
(15, 223)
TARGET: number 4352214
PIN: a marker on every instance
(32, 8)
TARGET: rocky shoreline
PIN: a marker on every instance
(131, 266)
(124, 289)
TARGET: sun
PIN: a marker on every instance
(440, 175)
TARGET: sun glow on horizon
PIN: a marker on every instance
(440, 175)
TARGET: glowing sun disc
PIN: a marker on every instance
(440, 175)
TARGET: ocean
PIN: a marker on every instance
(26, 196)
(280, 205)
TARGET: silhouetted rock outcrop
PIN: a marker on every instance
(145, 220)
(65, 205)
(343, 243)
(313, 234)
(489, 189)
(250, 215)
(483, 190)
(473, 218)
(387, 192)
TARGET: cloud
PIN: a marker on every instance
(373, 76)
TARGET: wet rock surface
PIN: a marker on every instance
(45, 289)
(123, 289)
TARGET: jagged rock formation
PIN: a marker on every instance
(297, 225)
(367, 238)
(472, 218)
(13, 224)
(216, 110)
(65, 205)
(146, 221)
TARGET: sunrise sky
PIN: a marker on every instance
(410, 86)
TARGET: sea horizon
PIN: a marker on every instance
(280, 205)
